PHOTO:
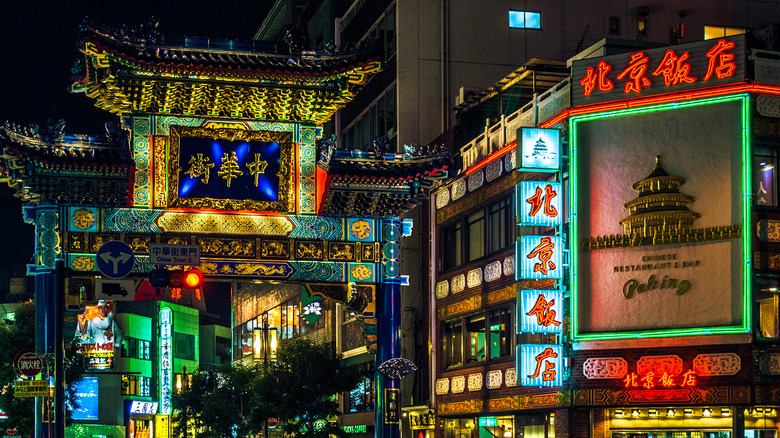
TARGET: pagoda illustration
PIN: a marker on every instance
(660, 214)
(660, 207)
(541, 151)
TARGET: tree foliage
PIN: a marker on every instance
(300, 389)
(215, 403)
(20, 336)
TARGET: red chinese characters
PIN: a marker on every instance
(650, 380)
(544, 251)
(674, 69)
(636, 72)
(543, 359)
(544, 314)
(543, 199)
(720, 63)
(597, 77)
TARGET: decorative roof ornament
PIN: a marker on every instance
(397, 368)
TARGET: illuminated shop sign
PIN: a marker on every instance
(97, 334)
(539, 149)
(143, 407)
(422, 420)
(540, 311)
(660, 251)
(539, 203)
(540, 257)
(647, 72)
(355, 428)
(166, 359)
(540, 364)
(488, 421)
(87, 394)
(392, 406)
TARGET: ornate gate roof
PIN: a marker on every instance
(137, 71)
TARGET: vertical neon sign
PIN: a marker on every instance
(166, 354)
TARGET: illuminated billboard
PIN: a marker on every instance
(539, 203)
(660, 202)
(539, 257)
(540, 364)
(539, 311)
(539, 149)
(87, 396)
(97, 335)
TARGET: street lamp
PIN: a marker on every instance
(264, 343)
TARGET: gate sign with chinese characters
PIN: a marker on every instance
(539, 149)
(647, 72)
(540, 311)
(540, 257)
(540, 364)
(539, 203)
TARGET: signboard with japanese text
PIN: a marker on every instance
(231, 169)
(539, 149)
(539, 203)
(167, 254)
(166, 360)
(143, 407)
(31, 388)
(540, 257)
(658, 250)
(97, 335)
(539, 311)
(540, 364)
(663, 70)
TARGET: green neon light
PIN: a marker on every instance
(746, 244)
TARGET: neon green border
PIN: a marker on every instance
(746, 244)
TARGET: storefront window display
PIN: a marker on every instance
(693, 422)
(362, 397)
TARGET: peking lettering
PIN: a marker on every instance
(545, 252)
(634, 286)
(548, 374)
(666, 380)
(544, 314)
(674, 68)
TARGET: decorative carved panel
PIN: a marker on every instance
(442, 386)
(510, 376)
(509, 266)
(605, 368)
(442, 198)
(442, 289)
(475, 382)
(717, 364)
(475, 180)
(458, 384)
(458, 189)
(493, 271)
(493, 170)
(474, 277)
(494, 379)
(659, 365)
(458, 283)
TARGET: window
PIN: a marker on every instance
(614, 26)
(453, 344)
(135, 348)
(487, 231)
(478, 338)
(641, 27)
(378, 121)
(475, 336)
(525, 20)
(711, 32)
(475, 225)
(136, 385)
(361, 398)
(183, 346)
(500, 333)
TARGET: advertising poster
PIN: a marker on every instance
(97, 335)
(659, 221)
(87, 397)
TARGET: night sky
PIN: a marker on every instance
(38, 48)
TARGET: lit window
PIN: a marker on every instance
(711, 32)
(525, 20)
